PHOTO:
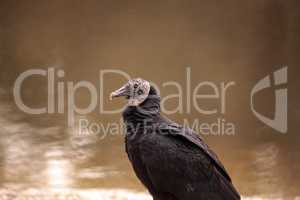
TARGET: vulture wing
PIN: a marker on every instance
(180, 164)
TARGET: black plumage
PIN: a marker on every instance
(172, 161)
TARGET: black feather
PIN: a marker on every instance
(172, 161)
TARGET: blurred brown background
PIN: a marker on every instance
(240, 41)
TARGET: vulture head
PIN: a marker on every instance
(135, 90)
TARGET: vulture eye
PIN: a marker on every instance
(135, 86)
(140, 92)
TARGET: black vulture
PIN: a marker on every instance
(171, 160)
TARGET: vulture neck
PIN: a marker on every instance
(147, 112)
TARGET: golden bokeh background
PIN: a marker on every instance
(240, 41)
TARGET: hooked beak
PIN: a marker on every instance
(123, 91)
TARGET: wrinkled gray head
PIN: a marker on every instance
(135, 90)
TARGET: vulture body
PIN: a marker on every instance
(172, 161)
